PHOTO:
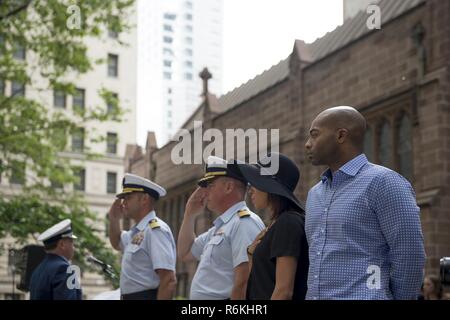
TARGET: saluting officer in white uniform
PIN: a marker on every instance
(223, 269)
(148, 262)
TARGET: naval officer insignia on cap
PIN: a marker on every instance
(218, 167)
(60, 230)
(133, 183)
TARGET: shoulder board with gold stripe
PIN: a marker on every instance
(154, 224)
(243, 213)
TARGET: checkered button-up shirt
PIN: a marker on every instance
(364, 234)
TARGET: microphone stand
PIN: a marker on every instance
(106, 268)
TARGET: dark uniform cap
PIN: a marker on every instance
(218, 167)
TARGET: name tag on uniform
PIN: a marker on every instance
(132, 248)
(215, 240)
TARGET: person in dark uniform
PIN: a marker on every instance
(54, 278)
(279, 255)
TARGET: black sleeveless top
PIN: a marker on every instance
(286, 237)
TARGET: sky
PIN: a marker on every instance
(259, 33)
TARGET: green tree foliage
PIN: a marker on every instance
(43, 50)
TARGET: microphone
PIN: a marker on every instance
(106, 267)
(99, 262)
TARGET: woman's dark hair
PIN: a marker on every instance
(436, 285)
(279, 205)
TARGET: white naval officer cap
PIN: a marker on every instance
(133, 183)
(60, 230)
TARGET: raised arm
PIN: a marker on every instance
(115, 214)
(194, 207)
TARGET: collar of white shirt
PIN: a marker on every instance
(145, 221)
(228, 214)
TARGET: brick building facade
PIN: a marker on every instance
(398, 77)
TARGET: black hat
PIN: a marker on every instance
(282, 182)
(218, 167)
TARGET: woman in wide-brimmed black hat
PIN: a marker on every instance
(279, 255)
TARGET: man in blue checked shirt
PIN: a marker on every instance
(362, 221)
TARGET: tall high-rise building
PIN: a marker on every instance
(99, 178)
(176, 40)
(352, 7)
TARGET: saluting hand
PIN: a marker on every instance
(116, 210)
(197, 202)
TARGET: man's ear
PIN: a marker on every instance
(150, 199)
(341, 135)
(229, 186)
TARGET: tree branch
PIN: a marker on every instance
(17, 10)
